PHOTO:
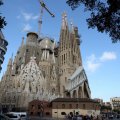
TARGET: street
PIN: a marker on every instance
(38, 118)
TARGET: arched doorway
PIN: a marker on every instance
(68, 95)
(86, 94)
(80, 92)
(74, 94)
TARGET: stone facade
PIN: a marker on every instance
(115, 103)
(45, 70)
(3, 48)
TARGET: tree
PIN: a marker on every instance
(2, 19)
(105, 108)
(105, 16)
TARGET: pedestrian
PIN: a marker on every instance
(91, 117)
(79, 117)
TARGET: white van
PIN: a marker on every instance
(12, 116)
(23, 115)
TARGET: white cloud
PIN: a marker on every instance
(29, 16)
(18, 17)
(92, 63)
(27, 28)
(35, 17)
(26, 18)
(108, 56)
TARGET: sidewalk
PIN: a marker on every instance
(45, 118)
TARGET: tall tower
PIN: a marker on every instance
(9, 66)
(32, 47)
(75, 51)
(64, 45)
(69, 58)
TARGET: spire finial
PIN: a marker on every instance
(22, 41)
(12, 56)
(72, 27)
(10, 60)
(64, 20)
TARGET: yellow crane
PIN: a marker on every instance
(43, 6)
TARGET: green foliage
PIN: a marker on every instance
(106, 108)
(2, 19)
(104, 16)
(116, 110)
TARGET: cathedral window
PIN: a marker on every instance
(63, 113)
(63, 105)
(84, 106)
(77, 106)
(64, 58)
(27, 50)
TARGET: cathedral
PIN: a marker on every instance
(43, 69)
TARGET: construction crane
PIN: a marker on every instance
(43, 6)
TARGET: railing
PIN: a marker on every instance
(1, 58)
(3, 46)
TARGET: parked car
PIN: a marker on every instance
(13, 116)
(118, 116)
(111, 116)
(22, 115)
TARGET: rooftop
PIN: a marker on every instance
(74, 100)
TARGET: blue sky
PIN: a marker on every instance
(101, 58)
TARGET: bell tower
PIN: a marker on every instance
(69, 57)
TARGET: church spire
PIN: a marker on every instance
(9, 66)
(14, 66)
(72, 28)
(64, 21)
(10, 61)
